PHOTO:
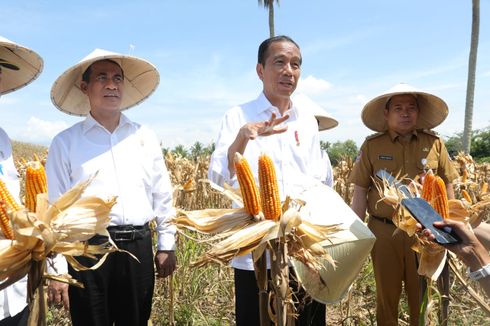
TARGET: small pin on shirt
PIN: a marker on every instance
(296, 137)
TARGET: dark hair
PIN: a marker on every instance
(264, 47)
(86, 74)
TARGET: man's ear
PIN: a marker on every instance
(83, 87)
(260, 71)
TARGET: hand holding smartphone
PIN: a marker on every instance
(426, 215)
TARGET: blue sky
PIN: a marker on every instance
(205, 52)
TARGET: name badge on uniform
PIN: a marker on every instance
(385, 158)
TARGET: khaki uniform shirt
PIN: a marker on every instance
(387, 151)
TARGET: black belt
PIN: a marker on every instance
(128, 232)
(384, 220)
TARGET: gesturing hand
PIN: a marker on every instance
(264, 128)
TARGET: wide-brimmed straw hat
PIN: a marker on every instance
(325, 120)
(141, 78)
(22, 65)
(432, 109)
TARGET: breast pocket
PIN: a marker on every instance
(388, 163)
(431, 161)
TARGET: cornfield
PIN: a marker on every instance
(204, 296)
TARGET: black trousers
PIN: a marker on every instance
(120, 291)
(18, 320)
(311, 312)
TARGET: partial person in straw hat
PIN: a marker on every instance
(129, 164)
(403, 145)
(18, 67)
(325, 122)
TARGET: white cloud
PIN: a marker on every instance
(8, 100)
(312, 85)
(41, 131)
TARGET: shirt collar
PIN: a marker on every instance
(90, 123)
(263, 105)
(394, 135)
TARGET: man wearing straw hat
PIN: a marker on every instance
(270, 123)
(404, 146)
(129, 164)
(18, 67)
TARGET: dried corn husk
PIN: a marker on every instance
(60, 228)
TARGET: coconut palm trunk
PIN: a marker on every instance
(269, 5)
(470, 88)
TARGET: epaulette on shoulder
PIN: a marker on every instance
(376, 135)
(429, 132)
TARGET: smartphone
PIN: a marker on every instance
(426, 215)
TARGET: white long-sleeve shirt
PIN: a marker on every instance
(295, 153)
(327, 178)
(12, 298)
(130, 166)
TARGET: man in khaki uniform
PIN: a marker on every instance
(405, 146)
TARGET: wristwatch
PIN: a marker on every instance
(479, 273)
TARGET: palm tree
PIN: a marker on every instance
(470, 87)
(196, 150)
(269, 4)
(180, 150)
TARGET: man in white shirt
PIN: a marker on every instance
(18, 67)
(129, 164)
(272, 124)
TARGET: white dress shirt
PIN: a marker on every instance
(130, 165)
(13, 298)
(295, 153)
(327, 178)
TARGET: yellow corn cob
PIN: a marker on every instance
(466, 196)
(248, 186)
(7, 202)
(427, 187)
(35, 184)
(484, 188)
(269, 189)
(7, 197)
(5, 222)
(439, 197)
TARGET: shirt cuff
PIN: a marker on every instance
(57, 265)
(166, 242)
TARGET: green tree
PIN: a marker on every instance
(480, 144)
(454, 144)
(470, 88)
(196, 150)
(269, 5)
(180, 150)
(339, 150)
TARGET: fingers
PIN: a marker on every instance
(58, 294)
(281, 119)
(165, 262)
(165, 271)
